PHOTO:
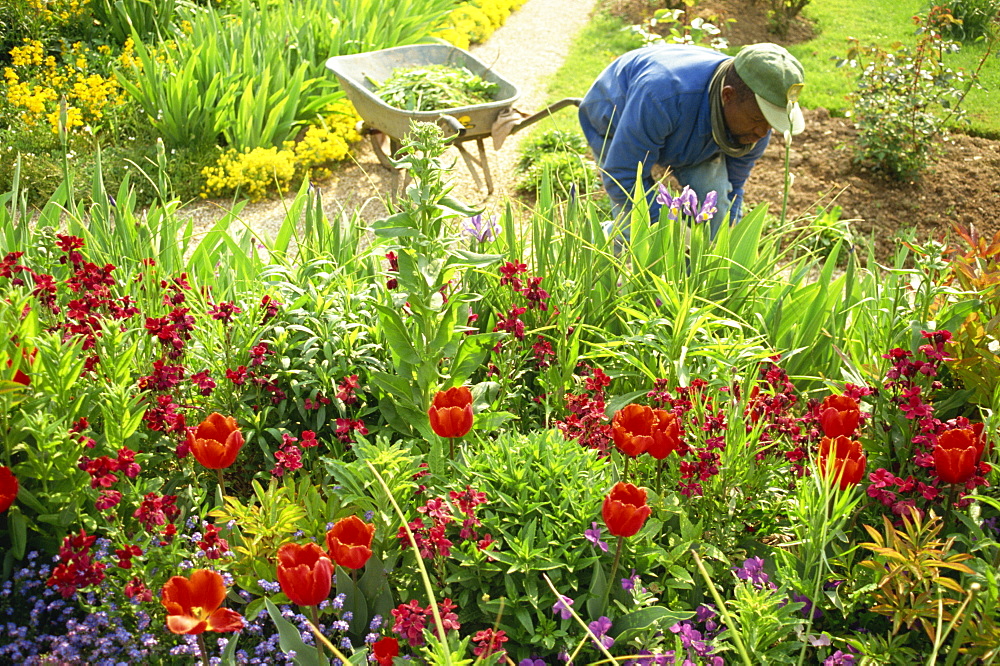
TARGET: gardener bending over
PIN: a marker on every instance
(705, 115)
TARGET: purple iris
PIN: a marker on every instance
(594, 536)
(483, 231)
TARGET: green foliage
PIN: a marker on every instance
(974, 19)
(543, 491)
(906, 100)
(674, 26)
(559, 157)
(781, 13)
(434, 88)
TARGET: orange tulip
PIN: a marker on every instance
(842, 459)
(625, 509)
(216, 442)
(839, 415)
(957, 454)
(193, 604)
(305, 573)
(451, 412)
(349, 542)
(8, 488)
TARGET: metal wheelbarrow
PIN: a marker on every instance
(387, 125)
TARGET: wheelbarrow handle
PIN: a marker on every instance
(545, 113)
(452, 123)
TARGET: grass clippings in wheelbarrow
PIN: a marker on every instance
(434, 88)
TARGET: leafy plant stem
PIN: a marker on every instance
(600, 646)
(439, 625)
(730, 622)
(953, 653)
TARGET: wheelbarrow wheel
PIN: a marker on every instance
(385, 147)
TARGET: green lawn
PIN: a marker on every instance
(882, 22)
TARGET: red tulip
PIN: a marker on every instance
(451, 412)
(384, 650)
(216, 442)
(632, 428)
(8, 488)
(193, 604)
(839, 415)
(625, 509)
(349, 542)
(666, 434)
(957, 454)
(305, 573)
(842, 459)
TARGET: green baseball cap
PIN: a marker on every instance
(776, 78)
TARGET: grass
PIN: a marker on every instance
(882, 22)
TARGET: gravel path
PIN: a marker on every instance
(527, 50)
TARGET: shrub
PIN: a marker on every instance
(972, 18)
(561, 154)
(906, 99)
(259, 171)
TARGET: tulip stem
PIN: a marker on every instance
(204, 649)
(451, 447)
(659, 473)
(625, 471)
(314, 612)
(222, 482)
(614, 565)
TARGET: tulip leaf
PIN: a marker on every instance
(18, 531)
(636, 622)
(354, 600)
(229, 654)
(289, 638)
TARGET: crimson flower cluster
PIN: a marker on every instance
(587, 422)
(76, 567)
(411, 619)
(431, 533)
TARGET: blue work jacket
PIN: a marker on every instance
(651, 106)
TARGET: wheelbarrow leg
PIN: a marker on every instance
(482, 162)
(384, 147)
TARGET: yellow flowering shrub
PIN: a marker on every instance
(473, 22)
(36, 82)
(257, 173)
(59, 11)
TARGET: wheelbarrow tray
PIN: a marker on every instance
(353, 72)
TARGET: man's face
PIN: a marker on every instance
(743, 117)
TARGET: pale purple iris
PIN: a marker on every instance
(687, 204)
(483, 231)
(594, 536)
(561, 607)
